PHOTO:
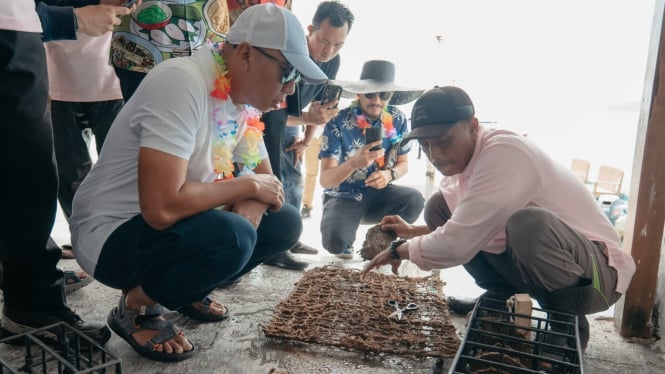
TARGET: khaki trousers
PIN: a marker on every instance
(311, 171)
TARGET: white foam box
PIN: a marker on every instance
(523, 305)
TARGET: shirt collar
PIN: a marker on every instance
(468, 171)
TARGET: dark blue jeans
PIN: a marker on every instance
(291, 174)
(342, 216)
(182, 264)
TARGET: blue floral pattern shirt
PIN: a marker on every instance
(342, 137)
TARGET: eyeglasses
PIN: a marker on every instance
(382, 95)
(289, 73)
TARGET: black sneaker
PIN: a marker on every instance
(14, 323)
(303, 248)
(561, 339)
(492, 299)
(305, 212)
(585, 331)
(346, 254)
(285, 261)
(461, 307)
(566, 328)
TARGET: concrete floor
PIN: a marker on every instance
(237, 345)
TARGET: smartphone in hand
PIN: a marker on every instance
(331, 92)
(373, 134)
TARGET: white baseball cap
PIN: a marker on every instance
(271, 26)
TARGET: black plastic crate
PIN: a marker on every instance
(74, 352)
(493, 345)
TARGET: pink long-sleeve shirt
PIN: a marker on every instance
(505, 174)
(79, 71)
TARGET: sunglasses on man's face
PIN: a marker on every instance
(289, 72)
(382, 95)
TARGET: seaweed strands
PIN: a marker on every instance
(334, 307)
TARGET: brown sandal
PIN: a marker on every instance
(203, 314)
(75, 280)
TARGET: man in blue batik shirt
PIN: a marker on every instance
(357, 179)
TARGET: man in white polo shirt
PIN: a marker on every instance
(182, 199)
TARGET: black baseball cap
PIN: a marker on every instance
(437, 109)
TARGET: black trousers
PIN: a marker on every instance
(31, 279)
(71, 146)
(273, 137)
(129, 81)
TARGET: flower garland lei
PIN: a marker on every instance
(227, 129)
(389, 130)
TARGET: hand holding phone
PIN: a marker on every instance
(331, 92)
(372, 135)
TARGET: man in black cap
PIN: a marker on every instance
(514, 218)
(357, 177)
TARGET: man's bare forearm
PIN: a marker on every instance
(309, 134)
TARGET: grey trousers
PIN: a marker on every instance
(341, 216)
(545, 258)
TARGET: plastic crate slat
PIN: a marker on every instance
(76, 353)
(514, 353)
(492, 342)
(497, 365)
(4, 365)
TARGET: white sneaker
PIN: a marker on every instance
(346, 254)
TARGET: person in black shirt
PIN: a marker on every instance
(32, 284)
(326, 36)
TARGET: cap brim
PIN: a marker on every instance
(428, 131)
(310, 72)
(402, 95)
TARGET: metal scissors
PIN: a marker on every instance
(399, 312)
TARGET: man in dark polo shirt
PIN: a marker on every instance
(326, 35)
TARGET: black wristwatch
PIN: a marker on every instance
(393, 248)
(393, 174)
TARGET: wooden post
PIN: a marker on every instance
(646, 217)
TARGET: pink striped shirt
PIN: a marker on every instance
(505, 174)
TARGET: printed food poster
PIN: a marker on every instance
(159, 30)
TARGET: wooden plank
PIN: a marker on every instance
(646, 217)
